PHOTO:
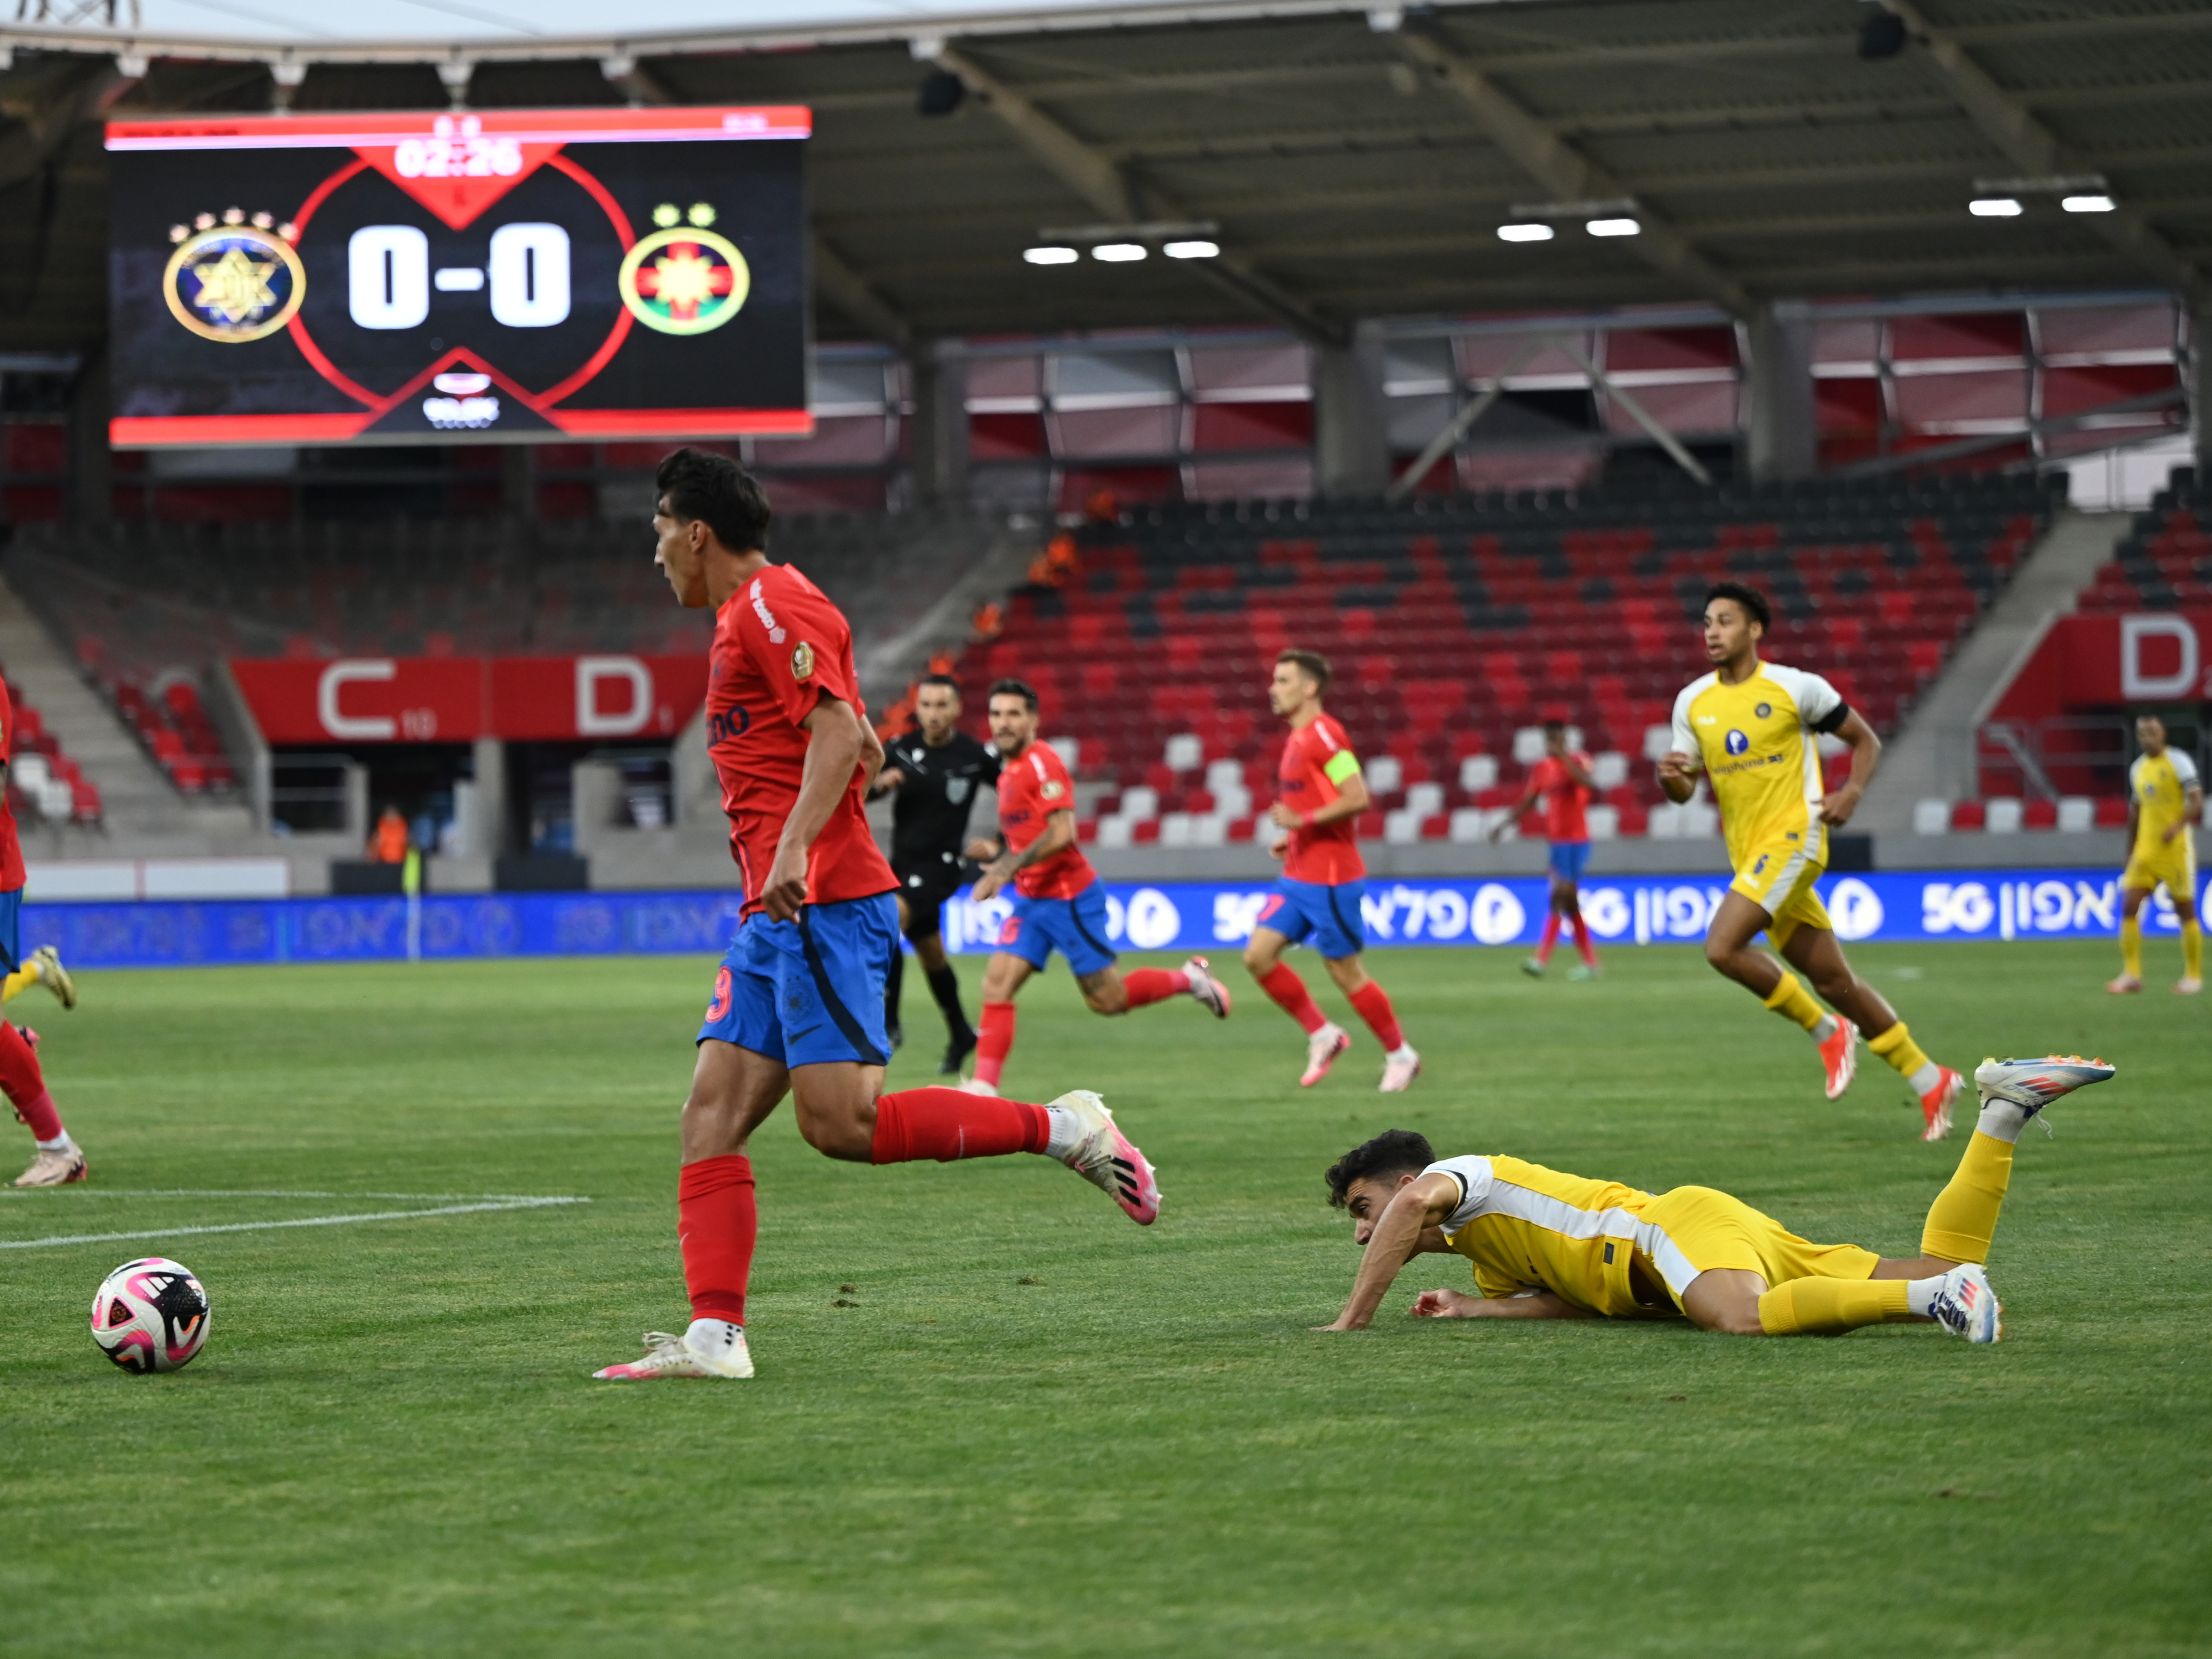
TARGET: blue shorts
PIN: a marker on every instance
(1570, 858)
(11, 928)
(809, 992)
(1331, 914)
(1076, 927)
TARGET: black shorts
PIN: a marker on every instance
(925, 884)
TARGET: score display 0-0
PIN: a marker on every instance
(504, 275)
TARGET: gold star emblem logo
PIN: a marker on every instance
(233, 283)
(233, 288)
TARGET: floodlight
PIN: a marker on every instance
(1524, 233)
(1119, 253)
(1995, 207)
(1613, 228)
(2098, 203)
(1192, 250)
(1051, 255)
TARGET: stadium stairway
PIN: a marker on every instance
(1933, 756)
(144, 812)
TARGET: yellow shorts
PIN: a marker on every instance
(2172, 866)
(1692, 1229)
(1777, 876)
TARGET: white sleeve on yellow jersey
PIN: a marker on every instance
(1817, 701)
(1474, 1176)
(2184, 770)
(1684, 740)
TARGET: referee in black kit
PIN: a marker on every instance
(936, 771)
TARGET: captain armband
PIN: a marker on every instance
(1833, 722)
(1341, 765)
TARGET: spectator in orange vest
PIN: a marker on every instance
(388, 844)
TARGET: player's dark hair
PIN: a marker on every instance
(716, 491)
(944, 680)
(1011, 687)
(1555, 726)
(1753, 601)
(1393, 1152)
(1311, 663)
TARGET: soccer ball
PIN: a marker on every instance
(150, 1316)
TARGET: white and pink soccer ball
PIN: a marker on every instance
(150, 1316)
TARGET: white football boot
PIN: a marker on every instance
(2033, 1084)
(55, 977)
(1397, 1073)
(1108, 1160)
(976, 1085)
(721, 1353)
(54, 1169)
(1966, 1306)
(1211, 993)
(1322, 1049)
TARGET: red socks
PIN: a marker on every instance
(1289, 990)
(715, 1224)
(1146, 985)
(994, 1037)
(1551, 937)
(1373, 1005)
(948, 1124)
(25, 1087)
(1582, 941)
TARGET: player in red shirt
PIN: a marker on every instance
(1057, 904)
(1563, 779)
(798, 1005)
(58, 1160)
(1324, 881)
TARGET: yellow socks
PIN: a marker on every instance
(2131, 946)
(1823, 1307)
(2192, 949)
(19, 981)
(1896, 1046)
(1793, 1001)
(1964, 1217)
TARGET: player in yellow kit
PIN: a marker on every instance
(1545, 1245)
(2165, 803)
(1751, 727)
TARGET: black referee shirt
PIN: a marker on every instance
(929, 814)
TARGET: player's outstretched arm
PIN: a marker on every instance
(836, 744)
(1458, 1305)
(1059, 835)
(1866, 755)
(1419, 1205)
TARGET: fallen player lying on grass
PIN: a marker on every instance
(1546, 1245)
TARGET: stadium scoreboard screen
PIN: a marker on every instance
(507, 275)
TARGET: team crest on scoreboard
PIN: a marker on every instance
(684, 280)
(235, 280)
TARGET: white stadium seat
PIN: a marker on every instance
(1931, 817)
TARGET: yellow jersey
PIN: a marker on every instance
(1757, 743)
(2160, 785)
(1526, 1228)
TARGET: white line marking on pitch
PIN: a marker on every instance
(492, 1203)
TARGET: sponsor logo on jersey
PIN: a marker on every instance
(1736, 742)
(732, 722)
(1054, 789)
(1709, 720)
(760, 609)
(802, 660)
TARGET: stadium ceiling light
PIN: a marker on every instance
(1192, 250)
(2096, 204)
(1524, 233)
(1051, 255)
(1613, 228)
(1995, 207)
(1119, 253)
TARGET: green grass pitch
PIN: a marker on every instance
(1032, 1428)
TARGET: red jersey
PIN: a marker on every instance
(1316, 762)
(11, 850)
(1032, 786)
(779, 648)
(1564, 799)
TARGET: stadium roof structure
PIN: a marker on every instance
(1347, 162)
